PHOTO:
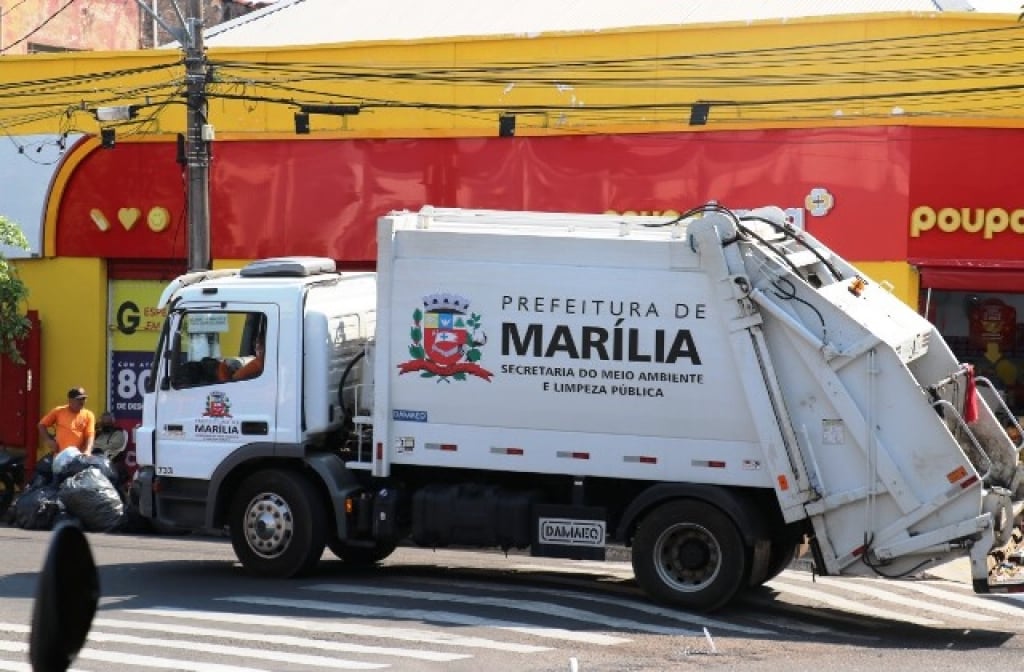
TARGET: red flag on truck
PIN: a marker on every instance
(970, 396)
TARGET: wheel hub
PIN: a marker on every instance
(269, 525)
(689, 557)
(693, 554)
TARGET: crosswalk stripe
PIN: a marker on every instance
(147, 662)
(283, 640)
(853, 586)
(15, 667)
(260, 654)
(647, 608)
(430, 615)
(992, 603)
(546, 608)
(848, 605)
(618, 572)
(191, 645)
(354, 629)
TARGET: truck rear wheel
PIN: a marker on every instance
(360, 556)
(278, 524)
(782, 554)
(689, 554)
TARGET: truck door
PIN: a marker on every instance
(215, 398)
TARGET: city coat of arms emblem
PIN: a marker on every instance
(446, 340)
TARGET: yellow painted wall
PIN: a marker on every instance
(71, 297)
(768, 73)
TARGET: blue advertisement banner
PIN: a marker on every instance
(128, 374)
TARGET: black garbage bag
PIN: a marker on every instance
(37, 508)
(102, 462)
(43, 474)
(69, 468)
(90, 496)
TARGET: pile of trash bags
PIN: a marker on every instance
(74, 485)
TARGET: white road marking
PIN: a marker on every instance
(618, 572)
(545, 608)
(355, 629)
(847, 605)
(649, 608)
(219, 649)
(146, 662)
(282, 640)
(431, 615)
(972, 600)
(851, 585)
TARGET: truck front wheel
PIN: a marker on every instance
(278, 524)
(690, 554)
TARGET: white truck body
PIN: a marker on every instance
(710, 391)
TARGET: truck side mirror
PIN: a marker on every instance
(67, 593)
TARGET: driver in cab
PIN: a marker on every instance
(251, 369)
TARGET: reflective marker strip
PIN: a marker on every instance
(573, 455)
(442, 446)
(957, 474)
(714, 464)
(506, 451)
(642, 459)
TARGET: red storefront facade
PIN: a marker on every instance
(941, 199)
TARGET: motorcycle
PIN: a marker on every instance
(12, 478)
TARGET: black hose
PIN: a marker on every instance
(341, 384)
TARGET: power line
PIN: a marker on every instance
(13, 7)
(38, 28)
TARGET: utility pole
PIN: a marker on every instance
(197, 141)
(199, 132)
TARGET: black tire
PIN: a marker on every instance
(360, 556)
(278, 524)
(779, 558)
(6, 493)
(689, 554)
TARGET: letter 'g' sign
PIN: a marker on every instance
(128, 317)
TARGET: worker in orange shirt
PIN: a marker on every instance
(72, 423)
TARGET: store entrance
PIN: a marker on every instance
(985, 329)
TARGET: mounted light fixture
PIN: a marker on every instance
(699, 113)
(116, 113)
(506, 125)
(338, 110)
(302, 116)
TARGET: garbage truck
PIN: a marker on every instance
(711, 391)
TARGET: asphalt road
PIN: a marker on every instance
(182, 603)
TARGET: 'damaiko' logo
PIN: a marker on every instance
(569, 532)
(445, 341)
